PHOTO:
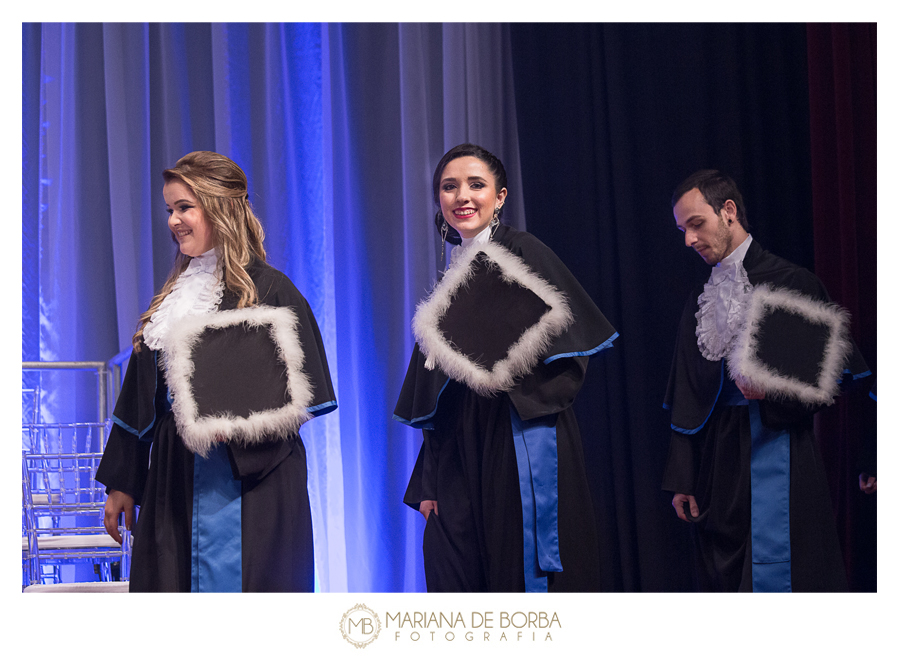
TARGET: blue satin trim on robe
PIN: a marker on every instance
(602, 346)
(425, 422)
(140, 433)
(701, 425)
(857, 375)
(770, 505)
(322, 409)
(536, 459)
(216, 525)
(128, 428)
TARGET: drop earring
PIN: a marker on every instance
(445, 229)
(495, 220)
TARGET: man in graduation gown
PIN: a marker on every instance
(743, 464)
(269, 546)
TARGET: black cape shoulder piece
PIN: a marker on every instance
(143, 398)
(695, 382)
(504, 309)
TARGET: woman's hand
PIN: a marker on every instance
(426, 507)
(116, 503)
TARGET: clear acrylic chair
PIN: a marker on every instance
(62, 512)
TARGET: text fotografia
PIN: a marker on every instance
(476, 627)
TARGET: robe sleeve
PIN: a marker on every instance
(126, 457)
(868, 452)
(552, 386)
(315, 363)
(422, 482)
(680, 474)
(694, 381)
(124, 464)
(419, 395)
(590, 332)
(693, 388)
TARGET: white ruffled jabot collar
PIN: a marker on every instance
(205, 262)
(723, 304)
(197, 291)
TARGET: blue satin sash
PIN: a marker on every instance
(536, 459)
(770, 508)
(216, 525)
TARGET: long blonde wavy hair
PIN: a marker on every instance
(220, 187)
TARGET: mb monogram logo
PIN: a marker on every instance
(360, 626)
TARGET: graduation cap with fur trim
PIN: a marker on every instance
(792, 346)
(489, 319)
(237, 375)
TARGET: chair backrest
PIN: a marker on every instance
(62, 511)
(61, 459)
(62, 502)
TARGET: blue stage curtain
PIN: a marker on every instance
(338, 128)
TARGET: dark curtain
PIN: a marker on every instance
(611, 119)
(842, 124)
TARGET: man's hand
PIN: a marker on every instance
(678, 503)
(867, 483)
(116, 503)
(426, 507)
(749, 392)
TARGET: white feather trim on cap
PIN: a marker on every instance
(744, 361)
(201, 433)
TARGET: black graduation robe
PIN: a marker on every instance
(709, 455)
(146, 459)
(467, 462)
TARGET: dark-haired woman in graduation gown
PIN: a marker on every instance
(500, 477)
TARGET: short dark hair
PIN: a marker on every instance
(716, 188)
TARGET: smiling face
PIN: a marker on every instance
(187, 221)
(713, 236)
(468, 195)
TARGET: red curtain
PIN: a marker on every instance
(842, 96)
